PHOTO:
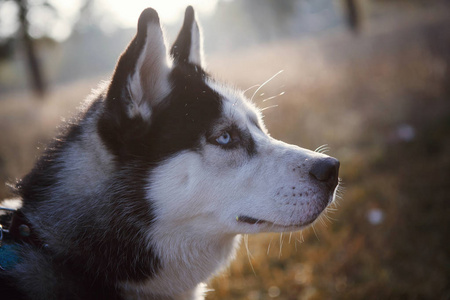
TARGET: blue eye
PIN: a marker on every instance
(224, 139)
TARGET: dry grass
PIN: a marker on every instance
(380, 101)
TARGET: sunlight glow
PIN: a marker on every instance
(127, 12)
(58, 18)
(8, 16)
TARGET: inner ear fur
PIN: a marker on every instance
(188, 47)
(140, 80)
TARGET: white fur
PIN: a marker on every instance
(86, 164)
(12, 203)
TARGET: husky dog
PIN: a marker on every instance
(145, 194)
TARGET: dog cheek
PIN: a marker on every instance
(222, 161)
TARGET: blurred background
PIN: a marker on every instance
(368, 78)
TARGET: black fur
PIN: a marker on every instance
(117, 130)
(181, 48)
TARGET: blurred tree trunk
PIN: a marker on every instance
(353, 15)
(34, 67)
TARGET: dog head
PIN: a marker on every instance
(211, 163)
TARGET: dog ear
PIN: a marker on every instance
(188, 47)
(140, 80)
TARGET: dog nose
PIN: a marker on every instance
(326, 170)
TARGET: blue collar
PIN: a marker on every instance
(9, 256)
(9, 248)
(14, 231)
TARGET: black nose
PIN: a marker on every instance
(326, 170)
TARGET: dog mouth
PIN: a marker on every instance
(307, 219)
(250, 220)
(254, 221)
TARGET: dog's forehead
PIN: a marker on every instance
(235, 106)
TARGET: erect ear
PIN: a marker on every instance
(188, 47)
(140, 80)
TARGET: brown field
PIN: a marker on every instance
(381, 102)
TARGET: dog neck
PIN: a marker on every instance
(187, 260)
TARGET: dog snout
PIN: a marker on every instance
(326, 170)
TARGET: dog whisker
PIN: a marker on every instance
(315, 232)
(322, 149)
(268, 248)
(322, 220)
(295, 244)
(273, 97)
(249, 254)
(300, 239)
(281, 244)
(330, 218)
(340, 189)
(265, 82)
(272, 106)
(253, 86)
(331, 209)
